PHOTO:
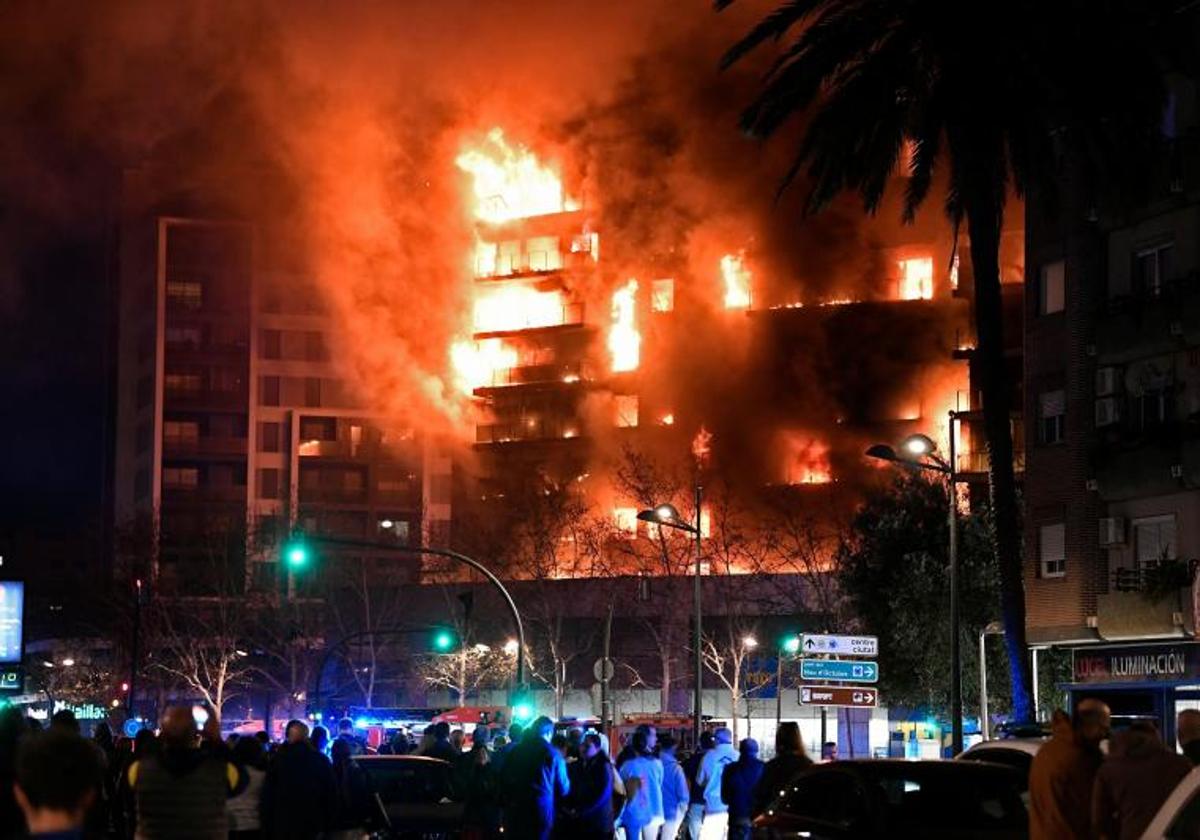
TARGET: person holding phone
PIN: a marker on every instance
(180, 791)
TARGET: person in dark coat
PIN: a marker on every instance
(481, 811)
(534, 781)
(1134, 782)
(590, 806)
(739, 788)
(442, 748)
(790, 758)
(299, 798)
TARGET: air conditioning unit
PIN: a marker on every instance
(1108, 412)
(1177, 471)
(1112, 531)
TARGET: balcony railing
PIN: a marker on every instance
(979, 462)
(531, 374)
(1163, 577)
(526, 430)
(205, 445)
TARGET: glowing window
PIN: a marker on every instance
(916, 279)
(662, 295)
(626, 406)
(182, 382)
(625, 521)
(185, 294)
(181, 431)
(181, 477)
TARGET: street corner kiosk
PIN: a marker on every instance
(1153, 681)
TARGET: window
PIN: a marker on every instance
(1052, 291)
(662, 295)
(270, 390)
(1153, 408)
(1052, 409)
(916, 279)
(185, 294)
(625, 521)
(189, 337)
(181, 478)
(1052, 550)
(626, 406)
(182, 383)
(268, 483)
(314, 347)
(312, 392)
(318, 428)
(1152, 268)
(181, 431)
(1153, 540)
(269, 437)
(271, 343)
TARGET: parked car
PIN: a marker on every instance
(893, 798)
(1179, 816)
(408, 796)
(1016, 753)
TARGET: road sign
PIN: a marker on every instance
(840, 645)
(834, 695)
(843, 670)
(603, 669)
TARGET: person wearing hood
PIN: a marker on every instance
(739, 788)
(1134, 782)
(299, 798)
(675, 791)
(181, 789)
(1063, 772)
(708, 778)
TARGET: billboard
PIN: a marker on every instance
(12, 621)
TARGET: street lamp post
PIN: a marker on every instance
(789, 647)
(920, 451)
(665, 515)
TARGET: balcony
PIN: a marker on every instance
(978, 463)
(527, 430)
(536, 375)
(348, 450)
(1149, 601)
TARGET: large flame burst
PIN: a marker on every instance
(510, 182)
(624, 341)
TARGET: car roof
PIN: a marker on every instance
(1025, 745)
(899, 766)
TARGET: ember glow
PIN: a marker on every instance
(737, 281)
(624, 340)
(510, 182)
(702, 446)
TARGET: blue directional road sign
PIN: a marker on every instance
(842, 670)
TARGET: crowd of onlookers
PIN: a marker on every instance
(1078, 791)
(185, 781)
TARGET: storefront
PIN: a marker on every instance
(1139, 681)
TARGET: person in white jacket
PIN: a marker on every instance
(716, 812)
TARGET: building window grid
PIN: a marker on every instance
(1052, 409)
(1154, 540)
(1151, 268)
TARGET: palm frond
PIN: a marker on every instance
(770, 28)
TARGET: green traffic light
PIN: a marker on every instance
(296, 555)
(522, 712)
(443, 640)
(791, 644)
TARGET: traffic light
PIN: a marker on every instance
(790, 644)
(443, 640)
(523, 707)
(296, 553)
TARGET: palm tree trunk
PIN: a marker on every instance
(984, 213)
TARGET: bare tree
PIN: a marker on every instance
(726, 652)
(369, 606)
(201, 642)
(467, 670)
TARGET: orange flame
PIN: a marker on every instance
(808, 462)
(916, 278)
(737, 281)
(476, 363)
(504, 308)
(624, 340)
(702, 446)
(510, 182)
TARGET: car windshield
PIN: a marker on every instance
(407, 782)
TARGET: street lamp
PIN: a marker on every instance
(920, 451)
(511, 647)
(666, 516)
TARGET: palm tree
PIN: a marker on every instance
(991, 92)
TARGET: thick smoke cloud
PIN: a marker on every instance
(357, 110)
